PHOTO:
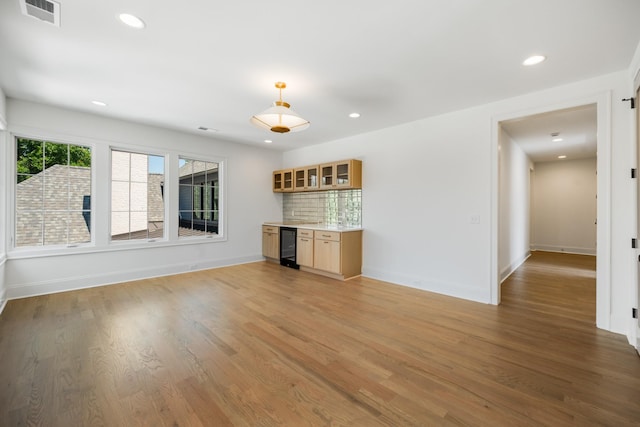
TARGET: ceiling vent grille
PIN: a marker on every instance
(44, 10)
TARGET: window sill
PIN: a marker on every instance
(25, 253)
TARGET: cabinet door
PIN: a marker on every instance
(271, 242)
(326, 255)
(327, 175)
(304, 251)
(276, 181)
(311, 177)
(282, 180)
(287, 180)
(342, 172)
(299, 179)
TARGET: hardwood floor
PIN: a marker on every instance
(262, 345)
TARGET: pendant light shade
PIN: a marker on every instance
(280, 117)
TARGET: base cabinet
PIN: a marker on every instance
(304, 248)
(271, 241)
(338, 254)
(327, 252)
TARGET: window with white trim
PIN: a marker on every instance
(198, 198)
(52, 193)
(137, 196)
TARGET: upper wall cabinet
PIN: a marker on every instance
(282, 180)
(306, 179)
(343, 174)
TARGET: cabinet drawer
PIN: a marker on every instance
(269, 229)
(305, 233)
(328, 235)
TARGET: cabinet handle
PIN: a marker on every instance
(326, 235)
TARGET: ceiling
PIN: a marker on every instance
(214, 64)
(577, 127)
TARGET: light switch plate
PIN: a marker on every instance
(474, 219)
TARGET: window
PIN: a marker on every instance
(53, 193)
(199, 196)
(137, 196)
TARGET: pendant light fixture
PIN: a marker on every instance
(280, 117)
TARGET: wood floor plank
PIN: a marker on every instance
(262, 345)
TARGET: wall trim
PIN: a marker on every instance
(508, 270)
(457, 290)
(564, 249)
(602, 100)
(91, 281)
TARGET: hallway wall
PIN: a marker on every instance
(564, 206)
(514, 216)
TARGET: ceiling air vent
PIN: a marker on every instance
(44, 10)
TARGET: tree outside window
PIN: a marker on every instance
(53, 193)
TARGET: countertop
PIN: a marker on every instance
(313, 226)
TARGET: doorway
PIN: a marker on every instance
(518, 249)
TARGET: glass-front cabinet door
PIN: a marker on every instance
(283, 180)
(287, 180)
(306, 179)
(327, 175)
(343, 174)
(312, 178)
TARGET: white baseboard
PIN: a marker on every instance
(508, 270)
(564, 249)
(90, 281)
(456, 290)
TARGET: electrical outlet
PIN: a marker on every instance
(474, 219)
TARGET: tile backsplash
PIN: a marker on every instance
(334, 207)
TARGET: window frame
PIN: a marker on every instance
(221, 233)
(101, 203)
(165, 235)
(12, 193)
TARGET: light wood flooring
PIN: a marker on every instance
(262, 345)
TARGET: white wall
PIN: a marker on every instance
(514, 209)
(249, 202)
(421, 184)
(565, 206)
(423, 180)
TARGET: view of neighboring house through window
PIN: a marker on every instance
(198, 198)
(53, 193)
(137, 196)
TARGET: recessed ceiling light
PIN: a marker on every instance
(99, 103)
(557, 139)
(354, 115)
(131, 20)
(562, 157)
(533, 60)
(268, 141)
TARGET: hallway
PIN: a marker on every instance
(561, 286)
